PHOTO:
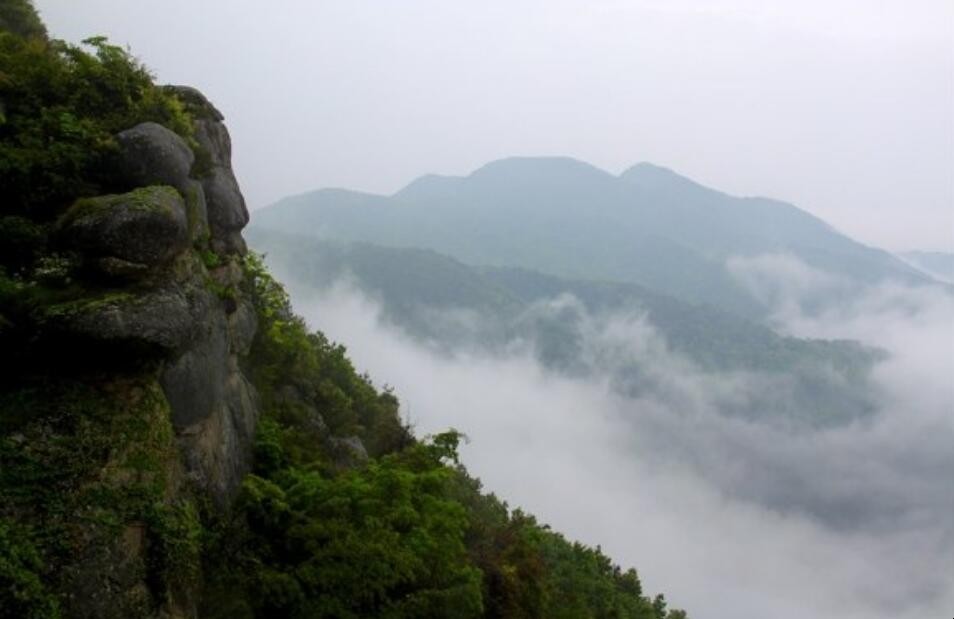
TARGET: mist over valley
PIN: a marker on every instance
(726, 452)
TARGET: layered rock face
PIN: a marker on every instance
(170, 249)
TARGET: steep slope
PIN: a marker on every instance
(648, 226)
(174, 442)
(124, 320)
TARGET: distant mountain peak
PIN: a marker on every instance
(510, 171)
(546, 174)
(652, 176)
(646, 167)
(538, 165)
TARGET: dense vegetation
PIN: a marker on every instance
(62, 105)
(86, 452)
(408, 533)
(345, 514)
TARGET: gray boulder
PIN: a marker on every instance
(150, 154)
(229, 243)
(217, 444)
(213, 137)
(243, 324)
(194, 383)
(224, 201)
(160, 320)
(147, 226)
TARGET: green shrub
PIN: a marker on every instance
(384, 541)
(19, 16)
(285, 354)
(62, 106)
(23, 594)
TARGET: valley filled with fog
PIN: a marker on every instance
(728, 513)
(792, 464)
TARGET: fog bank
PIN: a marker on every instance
(729, 517)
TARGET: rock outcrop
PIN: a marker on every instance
(148, 226)
(150, 154)
(227, 212)
(168, 254)
(151, 320)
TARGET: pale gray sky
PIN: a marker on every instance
(845, 108)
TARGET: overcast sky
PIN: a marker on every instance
(844, 108)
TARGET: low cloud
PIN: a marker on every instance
(729, 516)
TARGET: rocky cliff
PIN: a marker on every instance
(174, 441)
(138, 357)
(172, 244)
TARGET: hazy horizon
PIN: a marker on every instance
(844, 109)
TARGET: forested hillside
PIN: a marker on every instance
(174, 441)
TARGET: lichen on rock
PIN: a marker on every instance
(147, 226)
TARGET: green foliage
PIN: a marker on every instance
(176, 536)
(23, 594)
(89, 460)
(531, 571)
(62, 105)
(298, 373)
(83, 461)
(383, 541)
(222, 291)
(210, 259)
(407, 534)
(19, 17)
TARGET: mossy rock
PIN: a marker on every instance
(148, 325)
(92, 486)
(197, 214)
(148, 226)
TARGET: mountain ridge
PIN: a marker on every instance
(649, 226)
